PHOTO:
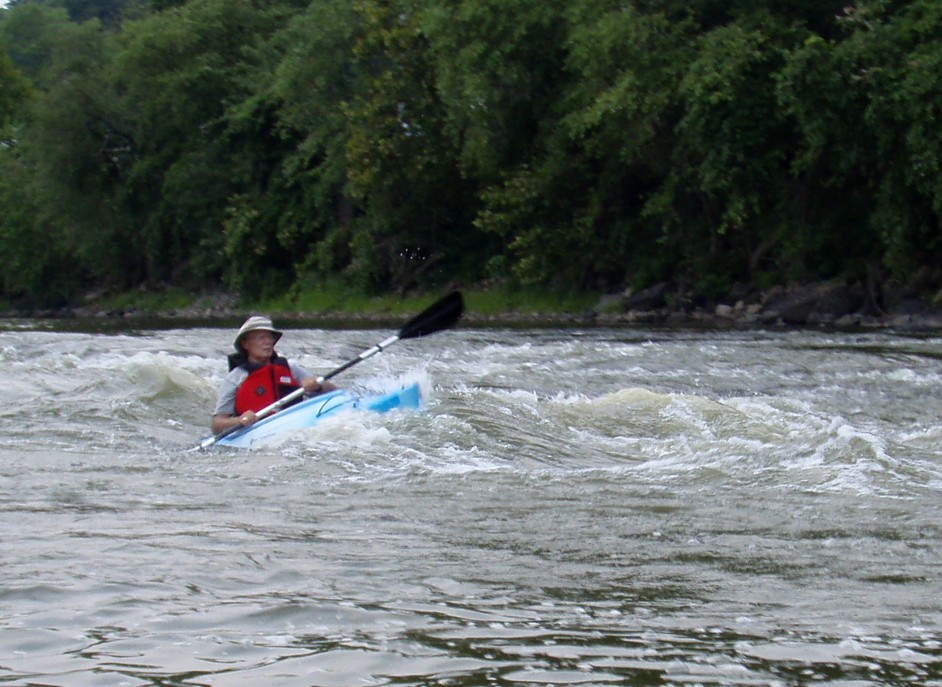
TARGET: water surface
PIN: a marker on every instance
(570, 507)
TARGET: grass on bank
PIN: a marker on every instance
(151, 302)
(483, 302)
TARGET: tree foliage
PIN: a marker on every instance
(401, 144)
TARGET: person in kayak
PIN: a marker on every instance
(258, 376)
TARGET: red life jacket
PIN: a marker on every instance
(266, 383)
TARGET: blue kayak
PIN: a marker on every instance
(311, 411)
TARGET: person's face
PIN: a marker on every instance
(258, 345)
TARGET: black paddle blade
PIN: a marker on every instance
(436, 317)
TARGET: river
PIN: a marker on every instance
(570, 507)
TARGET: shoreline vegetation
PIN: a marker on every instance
(827, 305)
(682, 149)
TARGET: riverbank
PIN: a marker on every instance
(832, 304)
(817, 305)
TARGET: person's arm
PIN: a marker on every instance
(224, 415)
(223, 421)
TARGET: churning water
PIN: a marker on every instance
(571, 507)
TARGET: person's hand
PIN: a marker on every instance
(247, 418)
(313, 387)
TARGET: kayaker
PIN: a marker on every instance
(258, 376)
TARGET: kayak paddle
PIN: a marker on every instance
(438, 316)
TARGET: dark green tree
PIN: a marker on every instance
(903, 60)
(572, 212)
(178, 74)
(57, 223)
(723, 203)
(14, 93)
(384, 200)
(30, 34)
(866, 109)
(499, 70)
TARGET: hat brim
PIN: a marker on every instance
(238, 342)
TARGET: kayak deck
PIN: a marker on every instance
(309, 412)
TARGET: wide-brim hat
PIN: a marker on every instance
(254, 324)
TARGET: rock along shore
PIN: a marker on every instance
(821, 305)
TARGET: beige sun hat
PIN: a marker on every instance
(255, 323)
